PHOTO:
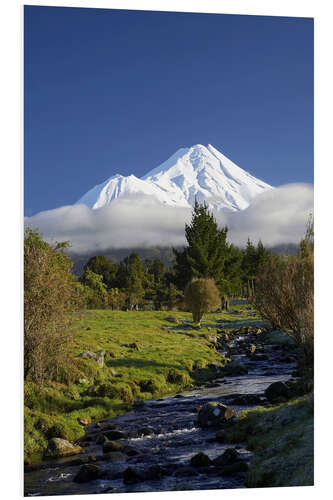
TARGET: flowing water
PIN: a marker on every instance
(164, 432)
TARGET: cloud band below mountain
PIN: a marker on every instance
(277, 216)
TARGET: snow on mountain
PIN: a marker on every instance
(199, 172)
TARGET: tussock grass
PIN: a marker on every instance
(281, 438)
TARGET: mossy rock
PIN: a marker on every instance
(58, 448)
(87, 473)
(214, 413)
(112, 446)
(276, 391)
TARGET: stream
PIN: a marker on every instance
(164, 433)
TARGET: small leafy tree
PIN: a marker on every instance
(99, 264)
(50, 293)
(202, 296)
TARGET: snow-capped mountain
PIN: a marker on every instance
(198, 172)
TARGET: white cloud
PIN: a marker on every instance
(276, 216)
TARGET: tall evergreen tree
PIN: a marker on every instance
(131, 276)
(207, 249)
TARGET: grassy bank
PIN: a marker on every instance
(281, 439)
(147, 355)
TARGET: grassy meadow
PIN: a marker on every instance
(148, 354)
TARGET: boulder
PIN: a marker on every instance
(214, 413)
(276, 391)
(112, 446)
(97, 356)
(58, 447)
(230, 456)
(86, 473)
(132, 476)
(200, 460)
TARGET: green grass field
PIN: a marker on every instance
(168, 357)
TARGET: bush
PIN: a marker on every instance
(284, 296)
(202, 296)
(50, 292)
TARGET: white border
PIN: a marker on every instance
(11, 134)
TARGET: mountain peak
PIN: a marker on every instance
(198, 172)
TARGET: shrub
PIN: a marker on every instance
(50, 292)
(284, 296)
(202, 296)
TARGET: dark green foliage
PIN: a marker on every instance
(252, 259)
(205, 255)
(130, 278)
(208, 254)
(95, 290)
(103, 266)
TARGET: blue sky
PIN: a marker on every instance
(112, 91)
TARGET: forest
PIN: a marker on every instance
(150, 285)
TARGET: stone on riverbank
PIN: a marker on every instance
(112, 446)
(214, 413)
(132, 476)
(200, 460)
(87, 472)
(228, 457)
(58, 448)
(276, 391)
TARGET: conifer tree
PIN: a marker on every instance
(207, 249)
(134, 276)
